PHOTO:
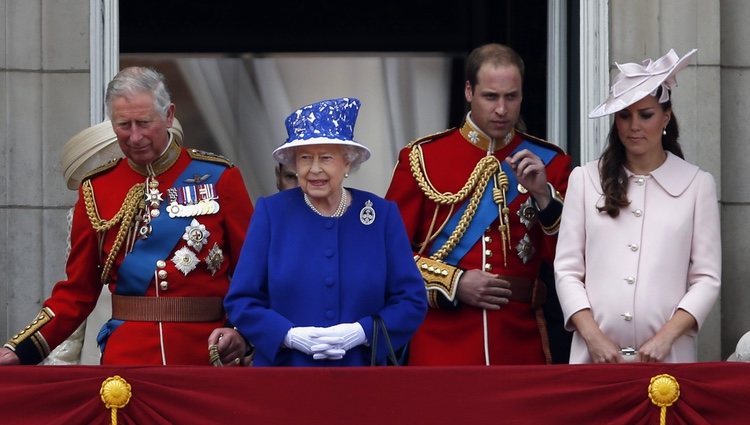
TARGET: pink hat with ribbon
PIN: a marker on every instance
(636, 81)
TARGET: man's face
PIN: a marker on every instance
(496, 99)
(141, 131)
(286, 178)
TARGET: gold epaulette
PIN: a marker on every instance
(429, 137)
(438, 277)
(31, 332)
(541, 142)
(101, 169)
(209, 156)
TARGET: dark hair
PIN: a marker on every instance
(614, 180)
(496, 54)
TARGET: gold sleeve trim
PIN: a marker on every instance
(438, 277)
(553, 228)
(31, 331)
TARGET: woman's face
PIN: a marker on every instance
(640, 127)
(321, 170)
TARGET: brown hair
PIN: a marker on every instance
(614, 180)
(496, 54)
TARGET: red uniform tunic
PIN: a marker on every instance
(457, 335)
(142, 342)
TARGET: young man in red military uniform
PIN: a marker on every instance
(163, 229)
(482, 206)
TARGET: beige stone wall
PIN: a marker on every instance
(735, 159)
(44, 99)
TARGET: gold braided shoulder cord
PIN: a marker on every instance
(477, 182)
(134, 200)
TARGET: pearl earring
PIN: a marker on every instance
(346, 175)
(664, 132)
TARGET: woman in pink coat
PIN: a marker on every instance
(638, 263)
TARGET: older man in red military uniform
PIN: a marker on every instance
(163, 229)
(482, 205)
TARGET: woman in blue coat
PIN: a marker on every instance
(321, 260)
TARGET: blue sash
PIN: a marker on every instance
(137, 269)
(487, 209)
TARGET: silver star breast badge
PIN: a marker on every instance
(196, 235)
(185, 260)
(525, 249)
(214, 259)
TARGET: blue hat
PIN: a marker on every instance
(321, 123)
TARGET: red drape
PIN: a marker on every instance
(710, 393)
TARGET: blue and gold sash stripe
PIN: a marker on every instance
(487, 209)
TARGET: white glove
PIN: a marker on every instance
(332, 354)
(343, 336)
(303, 339)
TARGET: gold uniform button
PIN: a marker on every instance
(488, 267)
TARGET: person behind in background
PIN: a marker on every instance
(481, 204)
(321, 260)
(162, 229)
(638, 264)
(286, 178)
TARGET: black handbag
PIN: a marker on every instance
(377, 324)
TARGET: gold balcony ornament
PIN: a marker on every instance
(115, 394)
(663, 392)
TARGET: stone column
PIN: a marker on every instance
(735, 131)
(44, 100)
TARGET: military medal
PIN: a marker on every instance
(214, 259)
(153, 196)
(367, 214)
(191, 201)
(185, 260)
(525, 249)
(152, 200)
(196, 235)
(527, 213)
